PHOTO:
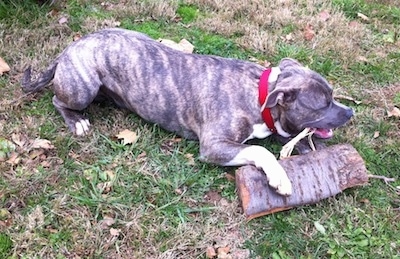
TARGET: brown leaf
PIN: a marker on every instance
(77, 36)
(309, 32)
(4, 67)
(19, 140)
(184, 45)
(106, 222)
(363, 17)
(395, 112)
(45, 164)
(229, 177)
(127, 136)
(42, 143)
(376, 134)
(324, 15)
(62, 20)
(114, 231)
(190, 159)
(223, 252)
(14, 159)
(36, 153)
(210, 252)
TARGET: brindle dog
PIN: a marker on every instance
(209, 98)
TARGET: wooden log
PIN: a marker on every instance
(314, 176)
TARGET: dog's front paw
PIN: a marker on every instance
(280, 182)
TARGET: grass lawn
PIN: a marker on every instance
(63, 196)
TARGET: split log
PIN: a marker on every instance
(314, 176)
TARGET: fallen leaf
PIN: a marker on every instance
(36, 153)
(229, 177)
(309, 32)
(223, 252)
(363, 59)
(324, 15)
(62, 20)
(319, 227)
(127, 136)
(190, 159)
(19, 139)
(4, 67)
(362, 16)
(77, 36)
(45, 164)
(184, 45)
(110, 174)
(14, 158)
(354, 24)
(210, 252)
(114, 231)
(42, 143)
(395, 112)
(376, 134)
(106, 222)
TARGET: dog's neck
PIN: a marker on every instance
(267, 84)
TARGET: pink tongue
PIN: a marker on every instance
(323, 133)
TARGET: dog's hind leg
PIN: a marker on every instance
(230, 153)
(76, 122)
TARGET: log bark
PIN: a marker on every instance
(315, 176)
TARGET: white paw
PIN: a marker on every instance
(82, 127)
(279, 181)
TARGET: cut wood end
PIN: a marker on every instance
(314, 176)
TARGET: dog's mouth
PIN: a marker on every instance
(323, 133)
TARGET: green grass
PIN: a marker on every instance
(58, 201)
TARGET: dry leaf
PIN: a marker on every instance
(210, 252)
(42, 143)
(19, 139)
(376, 134)
(110, 175)
(106, 222)
(229, 177)
(186, 46)
(127, 136)
(63, 20)
(114, 231)
(190, 159)
(45, 164)
(183, 45)
(362, 59)
(395, 112)
(309, 32)
(354, 24)
(324, 15)
(223, 252)
(4, 67)
(35, 153)
(14, 158)
(362, 16)
(77, 36)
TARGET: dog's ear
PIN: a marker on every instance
(288, 62)
(281, 96)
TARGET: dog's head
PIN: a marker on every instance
(303, 99)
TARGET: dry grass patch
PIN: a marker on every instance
(264, 25)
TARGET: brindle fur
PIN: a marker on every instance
(209, 98)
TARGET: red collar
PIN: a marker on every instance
(262, 96)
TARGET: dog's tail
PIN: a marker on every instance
(44, 78)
